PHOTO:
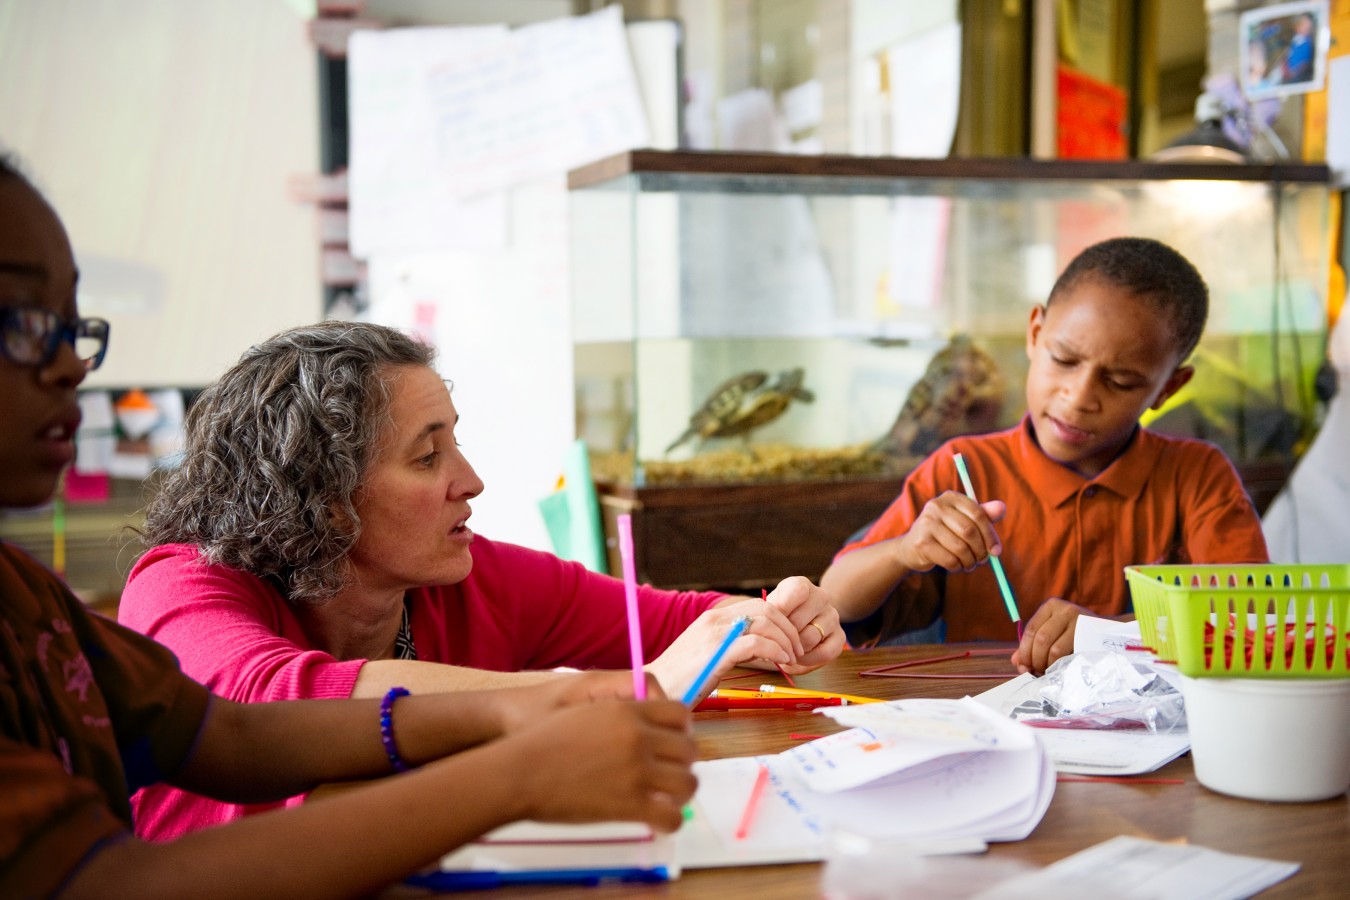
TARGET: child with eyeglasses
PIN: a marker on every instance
(90, 711)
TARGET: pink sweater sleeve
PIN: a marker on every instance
(231, 631)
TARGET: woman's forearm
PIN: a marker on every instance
(378, 676)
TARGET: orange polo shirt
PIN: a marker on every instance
(1164, 500)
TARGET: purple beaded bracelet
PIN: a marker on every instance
(387, 727)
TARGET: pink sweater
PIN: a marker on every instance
(519, 609)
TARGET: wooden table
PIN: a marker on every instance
(1081, 814)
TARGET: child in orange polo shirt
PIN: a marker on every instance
(1079, 488)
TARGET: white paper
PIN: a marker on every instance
(527, 846)
(1091, 633)
(96, 441)
(748, 120)
(891, 737)
(919, 227)
(402, 196)
(531, 832)
(655, 48)
(804, 106)
(1132, 867)
(978, 777)
(168, 438)
(982, 796)
(547, 98)
(925, 88)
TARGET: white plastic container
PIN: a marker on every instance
(1270, 739)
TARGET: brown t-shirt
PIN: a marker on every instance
(89, 711)
(1164, 500)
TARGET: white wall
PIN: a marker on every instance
(501, 320)
(164, 133)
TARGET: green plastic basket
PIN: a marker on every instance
(1243, 604)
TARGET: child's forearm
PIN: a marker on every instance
(347, 845)
(327, 740)
(592, 762)
(860, 581)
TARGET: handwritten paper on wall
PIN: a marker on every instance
(548, 97)
(402, 196)
(444, 119)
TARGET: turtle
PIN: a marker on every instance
(721, 404)
(961, 392)
(745, 403)
(763, 406)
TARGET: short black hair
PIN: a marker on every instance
(9, 165)
(12, 166)
(1152, 271)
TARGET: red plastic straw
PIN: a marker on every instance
(1120, 779)
(752, 804)
(992, 651)
(715, 704)
(935, 675)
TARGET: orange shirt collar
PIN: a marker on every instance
(1059, 484)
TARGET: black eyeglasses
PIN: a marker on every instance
(30, 336)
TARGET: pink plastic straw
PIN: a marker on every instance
(752, 804)
(764, 595)
(630, 597)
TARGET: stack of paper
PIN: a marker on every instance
(927, 772)
(539, 852)
(936, 776)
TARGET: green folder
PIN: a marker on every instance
(572, 514)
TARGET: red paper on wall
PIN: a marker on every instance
(1090, 117)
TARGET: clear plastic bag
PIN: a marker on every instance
(1106, 689)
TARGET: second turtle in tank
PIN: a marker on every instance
(961, 392)
(743, 403)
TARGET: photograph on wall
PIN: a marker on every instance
(1283, 48)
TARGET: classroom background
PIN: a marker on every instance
(231, 169)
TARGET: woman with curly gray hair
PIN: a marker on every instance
(90, 710)
(315, 543)
(276, 452)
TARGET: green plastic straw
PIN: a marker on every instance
(993, 560)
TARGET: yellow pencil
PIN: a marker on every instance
(735, 692)
(802, 692)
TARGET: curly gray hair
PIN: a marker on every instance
(276, 452)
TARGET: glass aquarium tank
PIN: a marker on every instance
(764, 345)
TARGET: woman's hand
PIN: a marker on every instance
(1048, 635)
(770, 636)
(608, 761)
(815, 620)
